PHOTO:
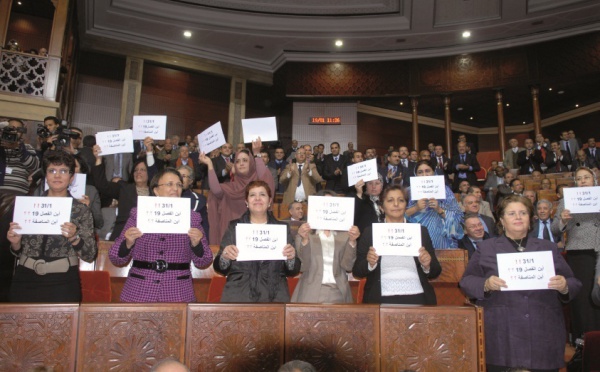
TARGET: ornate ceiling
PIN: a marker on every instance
(264, 34)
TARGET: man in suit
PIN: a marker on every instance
(530, 159)
(584, 161)
(557, 160)
(484, 206)
(471, 205)
(296, 211)
(592, 152)
(474, 233)
(290, 153)
(333, 167)
(464, 166)
(392, 173)
(279, 165)
(532, 196)
(348, 153)
(471, 148)
(541, 228)
(504, 189)
(568, 144)
(299, 179)
(511, 155)
(577, 139)
(223, 163)
(357, 157)
(439, 162)
(118, 166)
(408, 167)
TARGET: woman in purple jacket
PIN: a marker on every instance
(161, 262)
(524, 329)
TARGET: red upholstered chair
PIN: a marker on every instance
(215, 289)
(591, 351)
(361, 290)
(95, 286)
(292, 283)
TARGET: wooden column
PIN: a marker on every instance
(414, 101)
(501, 130)
(59, 25)
(5, 6)
(237, 110)
(132, 91)
(448, 126)
(537, 121)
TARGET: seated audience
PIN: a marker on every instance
(474, 233)
(532, 196)
(160, 271)
(542, 227)
(472, 205)
(484, 207)
(545, 184)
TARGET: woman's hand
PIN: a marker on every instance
(195, 236)
(372, 257)
(256, 146)
(424, 258)
(493, 283)
(565, 216)
(148, 141)
(559, 283)
(131, 235)
(85, 200)
(359, 188)
(303, 231)
(97, 151)
(289, 252)
(13, 235)
(69, 230)
(353, 234)
(230, 253)
(433, 204)
(422, 204)
(202, 158)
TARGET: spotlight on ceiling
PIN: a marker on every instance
(339, 43)
(508, 104)
(471, 118)
(550, 89)
(187, 34)
(577, 105)
(466, 34)
(401, 103)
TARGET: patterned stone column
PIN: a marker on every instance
(132, 91)
(237, 110)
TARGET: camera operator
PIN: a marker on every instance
(47, 134)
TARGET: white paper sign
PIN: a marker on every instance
(211, 138)
(525, 270)
(162, 215)
(427, 187)
(260, 242)
(77, 187)
(365, 170)
(330, 213)
(42, 215)
(149, 126)
(115, 141)
(397, 239)
(582, 199)
(265, 128)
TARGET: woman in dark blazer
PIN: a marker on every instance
(524, 329)
(327, 257)
(414, 290)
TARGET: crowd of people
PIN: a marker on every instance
(499, 215)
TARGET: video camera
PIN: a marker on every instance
(64, 135)
(10, 134)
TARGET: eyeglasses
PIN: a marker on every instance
(171, 184)
(61, 171)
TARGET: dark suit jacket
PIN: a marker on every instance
(441, 169)
(372, 292)
(596, 157)
(334, 182)
(407, 172)
(364, 212)
(589, 162)
(551, 162)
(470, 160)
(383, 171)
(535, 229)
(465, 243)
(489, 223)
(525, 162)
(219, 164)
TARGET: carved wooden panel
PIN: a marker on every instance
(235, 337)
(130, 337)
(333, 337)
(431, 338)
(33, 336)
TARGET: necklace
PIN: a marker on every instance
(520, 248)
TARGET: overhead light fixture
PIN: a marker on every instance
(466, 34)
(561, 92)
(459, 109)
(507, 104)
(524, 123)
(401, 103)
(339, 43)
(550, 89)
(471, 118)
(19, 3)
(187, 34)
(577, 105)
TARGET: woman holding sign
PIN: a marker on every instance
(255, 281)
(396, 279)
(524, 329)
(161, 262)
(48, 265)
(582, 246)
(226, 200)
(326, 258)
(443, 218)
